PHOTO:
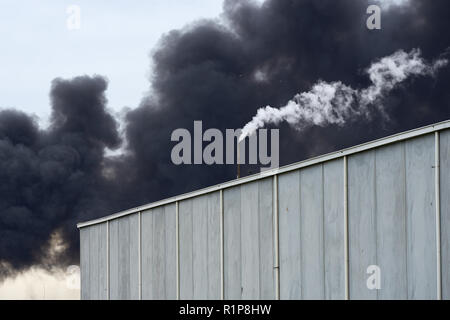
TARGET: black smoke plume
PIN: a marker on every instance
(217, 71)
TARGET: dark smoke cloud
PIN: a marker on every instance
(217, 72)
(50, 179)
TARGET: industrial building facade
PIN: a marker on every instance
(305, 231)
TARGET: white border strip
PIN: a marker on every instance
(438, 216)
(356, 149)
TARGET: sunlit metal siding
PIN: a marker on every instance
(305, 231)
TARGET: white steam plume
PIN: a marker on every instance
(335, 103)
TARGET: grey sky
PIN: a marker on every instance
(115, 40)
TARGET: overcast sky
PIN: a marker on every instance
(114, 40)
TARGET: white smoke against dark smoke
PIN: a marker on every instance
(335, 103)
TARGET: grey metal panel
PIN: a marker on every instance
(170, 251)
(302, 239)
(186, 249)
(250, 241)
(114, 260)
(421, 218)
(248, 253)
(124, 258)
(102, 263)
(266, 243)
(289, 236)
(124, 271)
(311, 233)
(134, 256)
(200, 247)
(333, 197)
(206, 246)
(93, 262)
(232, 243)
(391, 220)
(84, 263)
(147, 250)
(362, 222)
(158, 253)
(157, 267)
(214, 287)
(445, 211)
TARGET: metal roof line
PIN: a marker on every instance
(271, 172)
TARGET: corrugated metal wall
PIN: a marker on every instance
(309, 233)
(248, 241)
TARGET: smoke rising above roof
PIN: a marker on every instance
(335, 102)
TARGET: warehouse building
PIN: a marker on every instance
(310, 230)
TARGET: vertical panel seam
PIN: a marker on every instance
(375, 210)
(222, 289)
(346, 248)
(152, 257)
(192, 249)
(107, 262)
(300, 231)
(177, 250)
(164, 248)
(130, 261)
(207, 260)
(140, 254)
(438, 216)
(89, 264)
(81, 266)
(323, 232)
(275, 237)
(99, 257)
(97, 230)
(406, 218)
(258, 213)
(167, 246)
(97, 234)
(241, 288)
